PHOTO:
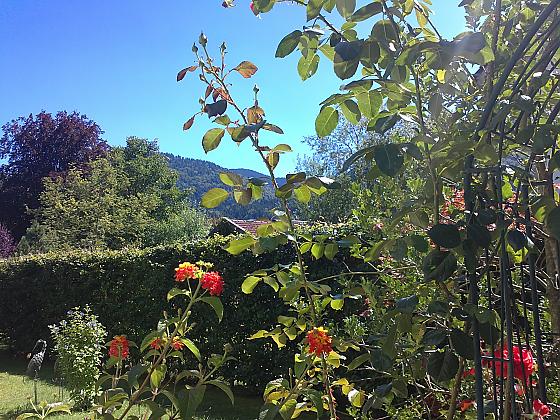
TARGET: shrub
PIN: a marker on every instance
(78, 343)
(127, 289)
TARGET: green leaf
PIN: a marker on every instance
(216, 304)
(369, 103)
(307, 66)
(288, 44)
(446, 236)
(212, 139)
(345, 7)
(157, 376)
(214, 197)
(443, 366)
(337, 304)
(287, 409)
(434, 337)
(344, 69)
(389, 158)
(231, 179)
(249, 284)
(407, 304)
(516, 239)
(303, 194)
(326, 121)
(351, 111)
(224, 387)
(462, 344)
(237, 246)
(176, 292)
(331, 250)
(366, 12)
(439, 265)
(192, 347)
(479, 234)
(317, 250)
(358, 361)
(314, 8)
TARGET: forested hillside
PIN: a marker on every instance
(200, 176)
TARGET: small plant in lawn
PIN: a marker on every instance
(78, 343)
(44, 410)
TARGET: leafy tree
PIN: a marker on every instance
(7, 243)
(127, 199)
(36, 147)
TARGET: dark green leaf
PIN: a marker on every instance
(443, 366)
(446, 236)
(462, 344)
(439, 265)
(366, 12)
(389, 158)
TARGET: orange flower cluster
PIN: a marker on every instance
(119, 347)
(213, 282)
(319, 341)
(185, 271)
(156, 343)
(177, 344)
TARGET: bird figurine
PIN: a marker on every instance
(36, 360)
(37, 355)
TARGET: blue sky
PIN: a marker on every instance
(116, 62)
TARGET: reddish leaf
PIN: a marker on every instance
(189, 123)
(183, 72)
(209, 90)
(246, 69)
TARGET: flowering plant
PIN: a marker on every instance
(78, 343)
(157, 381)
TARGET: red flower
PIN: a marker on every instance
(213, 282)
(156, 343)
(522, 363)
(469, 372)
(319, 341)
(186, 271)
(541, 409)
(118, 347)
(177, 344)
(465, 405)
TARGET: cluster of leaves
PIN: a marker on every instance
(78, 343)
(36, 147)
(128, 198)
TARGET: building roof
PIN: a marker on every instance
(249, 226)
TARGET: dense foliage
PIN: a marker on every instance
(482, 108)
(127, 290)
(79, 343)
(36, 147)
(127, 199)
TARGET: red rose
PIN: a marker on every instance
(319, 341)
(119, 347)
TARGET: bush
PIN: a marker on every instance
(79, 344)
(7, 243)
(127, 289)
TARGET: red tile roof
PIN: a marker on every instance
(250, 226)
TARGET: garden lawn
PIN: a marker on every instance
(16, 389)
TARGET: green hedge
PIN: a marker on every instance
(128, 289)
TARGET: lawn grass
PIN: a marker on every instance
(16, 389)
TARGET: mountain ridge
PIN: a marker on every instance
(202, 175)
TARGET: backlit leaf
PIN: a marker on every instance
(326, 121)
(246, 69)
(214, 197)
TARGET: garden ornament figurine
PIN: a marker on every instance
(37, 355)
